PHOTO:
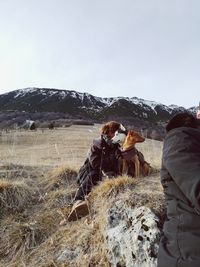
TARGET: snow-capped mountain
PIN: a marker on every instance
(86, 105)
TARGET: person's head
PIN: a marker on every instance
(198, 112)
(183, 119)
(111, 128)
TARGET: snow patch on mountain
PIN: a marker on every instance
(22, 92)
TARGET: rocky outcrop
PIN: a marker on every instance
(132, 236)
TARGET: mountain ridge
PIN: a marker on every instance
(33, 99)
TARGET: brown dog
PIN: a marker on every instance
(133, 162)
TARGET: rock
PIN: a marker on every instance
(132, 236)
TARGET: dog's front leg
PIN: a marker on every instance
(146, 169)
(124, 167)
(137, 166)
(120, 166)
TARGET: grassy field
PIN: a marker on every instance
(37, 183)
(60, 146)
(47, 147)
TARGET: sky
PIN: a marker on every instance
(144, 48)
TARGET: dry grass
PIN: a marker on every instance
(60, 147)
(35, 238)
(111, 187)
(37, 187)
(21, 235)
(47, 147)
(62, 175)
(14, 195)
(59, 187)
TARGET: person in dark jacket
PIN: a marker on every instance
(180, 178)
(102, 161)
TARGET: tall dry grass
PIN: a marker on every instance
(46, 147)
(14, 195)
(60, 146)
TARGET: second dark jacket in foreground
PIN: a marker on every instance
(180, 177)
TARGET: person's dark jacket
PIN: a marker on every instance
(180, 177)
(102, 159)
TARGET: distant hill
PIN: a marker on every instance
(72, 104)
(85, 105)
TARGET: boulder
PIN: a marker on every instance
(132, 235)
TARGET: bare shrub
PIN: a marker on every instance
(82, 122)
(112, 186)
(60, 198)
(62, 175)
(59, 188)
(21, 236)
(14, 195)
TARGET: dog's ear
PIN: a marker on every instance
(122, 129)
(136, 136)
(131, 132)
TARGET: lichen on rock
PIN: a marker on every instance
(132, 235)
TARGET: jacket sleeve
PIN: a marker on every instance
(181, 157)
(95, 157)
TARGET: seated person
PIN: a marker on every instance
(102, 160)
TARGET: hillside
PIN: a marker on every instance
(34, 200)
(37, 183)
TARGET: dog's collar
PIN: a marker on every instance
(130, 148)
(129, 153)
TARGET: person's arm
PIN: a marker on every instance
(181, 157)
(95, 157)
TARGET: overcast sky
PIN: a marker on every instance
(144, 48)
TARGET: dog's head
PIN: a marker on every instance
(120, 135)
(110, 128)
(113, 131)
(133, 138)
